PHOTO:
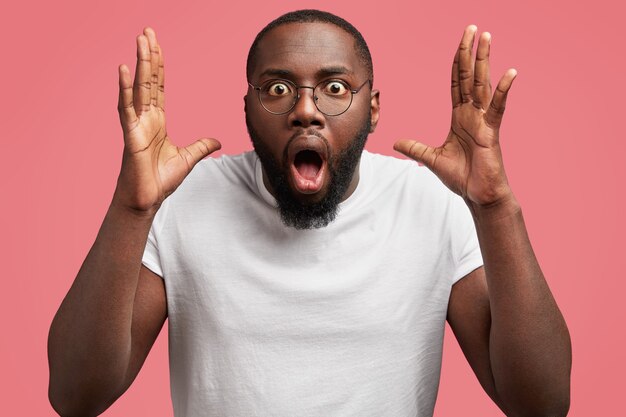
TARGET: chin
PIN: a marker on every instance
(308, 192)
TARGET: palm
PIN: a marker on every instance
(152, 166)
(160, 168)
(469, 158)
(470, 162)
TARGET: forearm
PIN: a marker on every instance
(529, 344)
(89, 344)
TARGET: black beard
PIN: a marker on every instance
(341, 168)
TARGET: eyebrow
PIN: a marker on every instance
(276, 72)
(323, 72)
(334, 70)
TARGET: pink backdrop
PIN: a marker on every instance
(563, 145)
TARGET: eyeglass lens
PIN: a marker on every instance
(331, 97)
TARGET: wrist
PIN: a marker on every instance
(118, 207)
(504, 207)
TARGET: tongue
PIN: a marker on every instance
(308, 164)
(308, 170)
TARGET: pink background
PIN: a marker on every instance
(562, 137)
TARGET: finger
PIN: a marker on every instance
(141, 86)
(482, 84)
(125, 103)
(466, 72)
(154, 64)
(161, 88)
(498, 102)
(455, 86)
(200, 149)
(421, 153)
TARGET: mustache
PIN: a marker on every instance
(305, 132)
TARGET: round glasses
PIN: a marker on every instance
(331, 97)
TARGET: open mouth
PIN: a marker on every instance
(308, 170)
(308, 163)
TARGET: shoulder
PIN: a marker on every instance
(223, 171)
(230, 166)
(391, 173)
(413, 192)
(216, 182)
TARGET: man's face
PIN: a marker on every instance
(309, 159)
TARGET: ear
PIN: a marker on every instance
(245, 103)
(375, 108)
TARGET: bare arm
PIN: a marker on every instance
(510, 328)
(114, 310)
(108, 321)
(504, 315)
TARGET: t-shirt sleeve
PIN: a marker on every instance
(465, 246)
(151, 257)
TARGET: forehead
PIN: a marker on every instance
(303, 49)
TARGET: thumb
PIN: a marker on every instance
(200, 149)
(418, 151)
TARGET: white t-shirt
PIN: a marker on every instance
(346, 320)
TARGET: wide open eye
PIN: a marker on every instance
(278, 88)
(335, 88)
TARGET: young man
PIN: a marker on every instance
(311, 278)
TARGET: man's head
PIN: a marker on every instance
(309, 157)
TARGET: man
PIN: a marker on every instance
(310, 278)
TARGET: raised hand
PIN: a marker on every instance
(152, 167)
(470, 161)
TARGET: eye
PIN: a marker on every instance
(278, 88)
(336, 88)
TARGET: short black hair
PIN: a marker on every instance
(313, 16)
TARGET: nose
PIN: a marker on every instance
(305, 113)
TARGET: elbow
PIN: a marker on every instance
(65, 406)
(64, 409)
(545, 396)
(85, 393)
(74, 402)
(556, 407)
(557, 410)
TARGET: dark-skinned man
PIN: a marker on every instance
(311, 277)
